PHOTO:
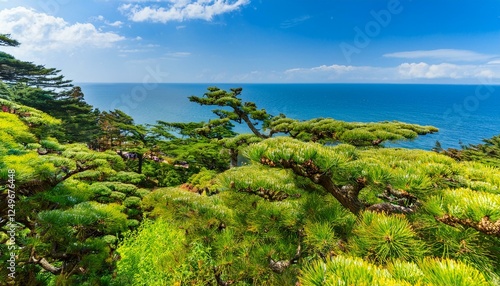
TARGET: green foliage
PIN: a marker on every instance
(239, 112)
(458, 243)
(358, 134)
(321, 238)
(14, 135)
(450, 272)
(151, 255)
(106, 219)
(31, 116)
(132, 202)
(466, 204)
(250, 178)
(117, 196)
(381, 238)
(17, 71)
(343, 270)
(120, 187)
(127, 177)
(406, 271)
(488, 152)
(6, 40)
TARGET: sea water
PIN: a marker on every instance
(464, 114)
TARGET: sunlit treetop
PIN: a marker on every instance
(29, 115)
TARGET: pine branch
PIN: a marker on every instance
(485, 226)
(219, 280)
(44, 263)
(398, 202)
(347, 196)
(282, 265)
(267, 194)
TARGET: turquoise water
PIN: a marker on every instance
(463, 113)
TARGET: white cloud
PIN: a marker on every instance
(116, 24)
(494, 62)
(403, 72)
(178, 54)
(41, 32)
(451, 55)
(446, 70)
(181, 10)
(294, 22)
(100, 18)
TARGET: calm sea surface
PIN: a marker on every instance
(463, 113)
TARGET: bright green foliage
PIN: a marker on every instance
(151, 257)
(358, 134)
(65, 221)
(343, 270)
(131, 202)
(379, 175)
(321, 239)
(33, 117)
(466, 204)
(449, 272)
(244, 231)
(239, 241)
(201, 154)
(236, 144)
(405, 271)
(381, 238)
(250, 178)
(13, 134)
(120, 187)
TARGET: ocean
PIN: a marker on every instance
(464, 114)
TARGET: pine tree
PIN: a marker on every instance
(6, 40)
(325, 130)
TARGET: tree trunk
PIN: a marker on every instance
(233, 153)
(249, 123)
(141, 160)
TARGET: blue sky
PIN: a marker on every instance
(214, 41)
